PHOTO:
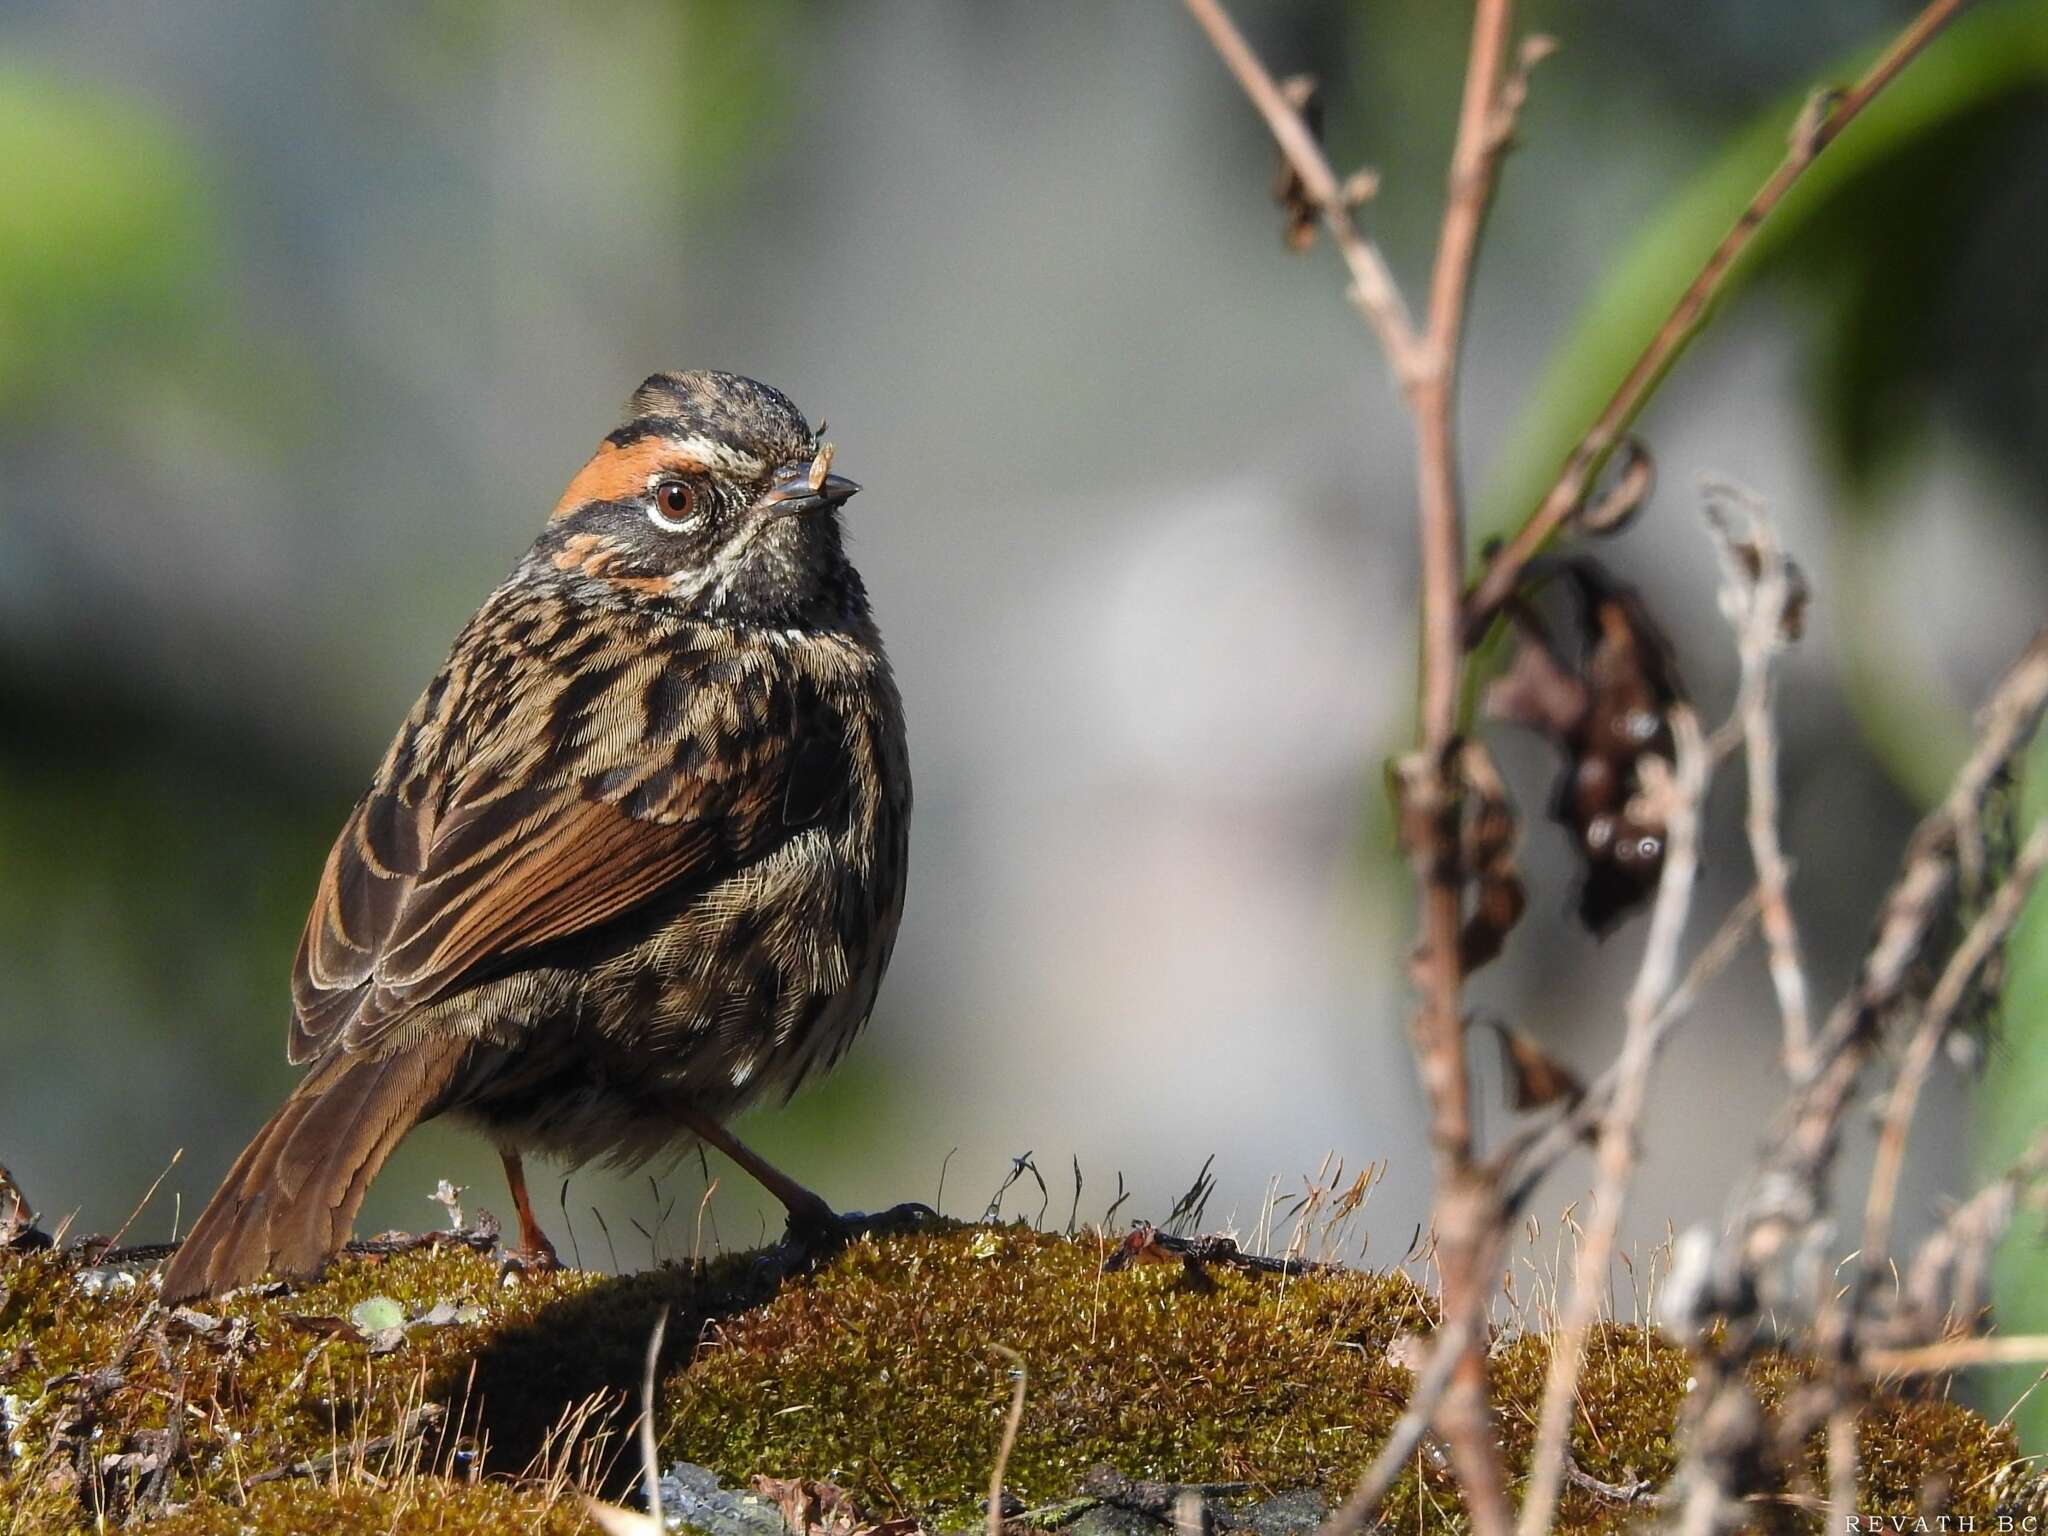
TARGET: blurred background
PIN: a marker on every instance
(308, 313)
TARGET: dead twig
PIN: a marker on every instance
(1955, 1354)
(1359, 1506)
(1936, 1018)
(1639, 1493)
(1372, 285)
(1759, 596)
(1684, 790)
(1788, 1192)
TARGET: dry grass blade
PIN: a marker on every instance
(1011, 1423)
(610, 1518)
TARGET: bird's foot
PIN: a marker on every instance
(535, 1255)
(816, 1232)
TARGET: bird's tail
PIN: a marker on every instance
(287, 1205)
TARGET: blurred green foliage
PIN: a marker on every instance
(1873, 226)
(105, 232)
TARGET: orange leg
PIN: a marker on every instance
(533, 1243)
(807, 1212)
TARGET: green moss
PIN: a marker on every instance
(275, 1383)
(877, 1373)
(1633, 1388)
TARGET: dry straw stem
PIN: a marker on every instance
(1814, 133)
(1955, 1354)
(1012, 1422)
(1682, 791)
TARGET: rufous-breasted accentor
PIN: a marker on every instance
(635, 859)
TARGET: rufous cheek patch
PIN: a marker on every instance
(595, 556)
(618, 474)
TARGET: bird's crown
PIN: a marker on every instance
(722, 408)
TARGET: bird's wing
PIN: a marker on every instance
(494, 828)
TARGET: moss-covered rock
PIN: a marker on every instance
(499, 1396)
(879, 1373)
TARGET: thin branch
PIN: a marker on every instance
(1639, 1494)
(1530, 1161)
(1682, 792)
(1360, 1505)
(1372, 285)
(1467, 1201)
(1485, 129)
(1504, 571)
(1475, 159)
(1789, 1190)
(1978, 945)
(1757, 594)
(1947, 1273)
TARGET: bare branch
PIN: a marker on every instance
(1504, 571)
(1789, 1190)
(1683, 791)
(1947, 1275)
(1936, 1018)
(1372, 285)
(1758, 596)
(1529, 1161)
(1358, 1508)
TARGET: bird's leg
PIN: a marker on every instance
(534, 1247)
(808, 1213)
(815, 1229)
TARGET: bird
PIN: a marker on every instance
(635, 859)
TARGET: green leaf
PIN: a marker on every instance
(1987, 59)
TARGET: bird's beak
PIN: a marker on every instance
(800, 488)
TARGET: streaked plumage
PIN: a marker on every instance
(635, 858)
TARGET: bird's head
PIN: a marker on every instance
(715, 498)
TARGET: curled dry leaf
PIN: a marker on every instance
(1535, 1077)
(1289, 191)
(1488, 841)
(1615, 508)
(814, 1508)
(1607, 712)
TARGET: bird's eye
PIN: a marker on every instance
(674, 503)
